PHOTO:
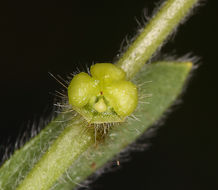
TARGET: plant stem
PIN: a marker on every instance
(153, 35)
(68, 146)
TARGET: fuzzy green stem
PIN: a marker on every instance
(150, 39)
(73, 141)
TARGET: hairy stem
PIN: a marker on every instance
(68, 146)
(160, 26)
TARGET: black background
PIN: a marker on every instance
(58, 36)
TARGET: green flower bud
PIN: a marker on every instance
(106, 96)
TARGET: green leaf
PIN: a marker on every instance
(164, 80)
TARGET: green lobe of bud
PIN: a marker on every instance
(81, 88)
(107, 72)
(122, 96)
